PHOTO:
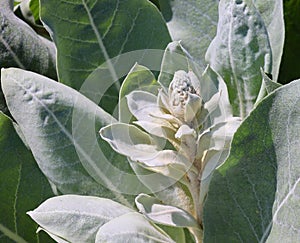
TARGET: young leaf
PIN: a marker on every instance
(159, 213)
(264, 156)
(175, 58)
(129, 140)
(195, 23)
(67, 148)
(239, 49)
(131, 227)
(138, 78)
(22, 187)
(76, 218)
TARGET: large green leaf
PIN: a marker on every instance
(272, 14)
(89, 33)
(76, 218)
(61, 127)
(195, 23)
(264, 157)
(22, 187)
(240, 48)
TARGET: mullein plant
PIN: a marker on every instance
(179, 127)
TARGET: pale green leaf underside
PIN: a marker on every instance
(262, 168)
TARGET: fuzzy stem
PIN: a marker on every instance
(194, 188)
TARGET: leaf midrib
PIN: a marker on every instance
(122, 199)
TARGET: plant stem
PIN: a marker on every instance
(194, 188)
(198, 234)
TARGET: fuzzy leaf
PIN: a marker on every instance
(195, 23)
(175, 58)
(139, 78)
(132, 227)
(272, 14)
(240, 48)
(262, 168)
(159, 213)
(76, 218)
(21, 47)
(129, 141)
(270, 84)
(61, 127)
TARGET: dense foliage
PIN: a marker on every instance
(149, 121)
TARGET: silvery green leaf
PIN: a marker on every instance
(76, 218)
(240, 48)
(272, 14)
(22, 47)
(159, 213)
(217, 137)
(213, 103)
(213, 89)
(44, 110)
(256, 190)
(163, 100)
(157, 129)
(73, 157)
(131, 227)
(129, 141)
(187, 137)
(138, 78)
(176, 195)
(156, 182)
(185, 130)
(169, 163)
(141, 104)
(195, 23)
(192, 107)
